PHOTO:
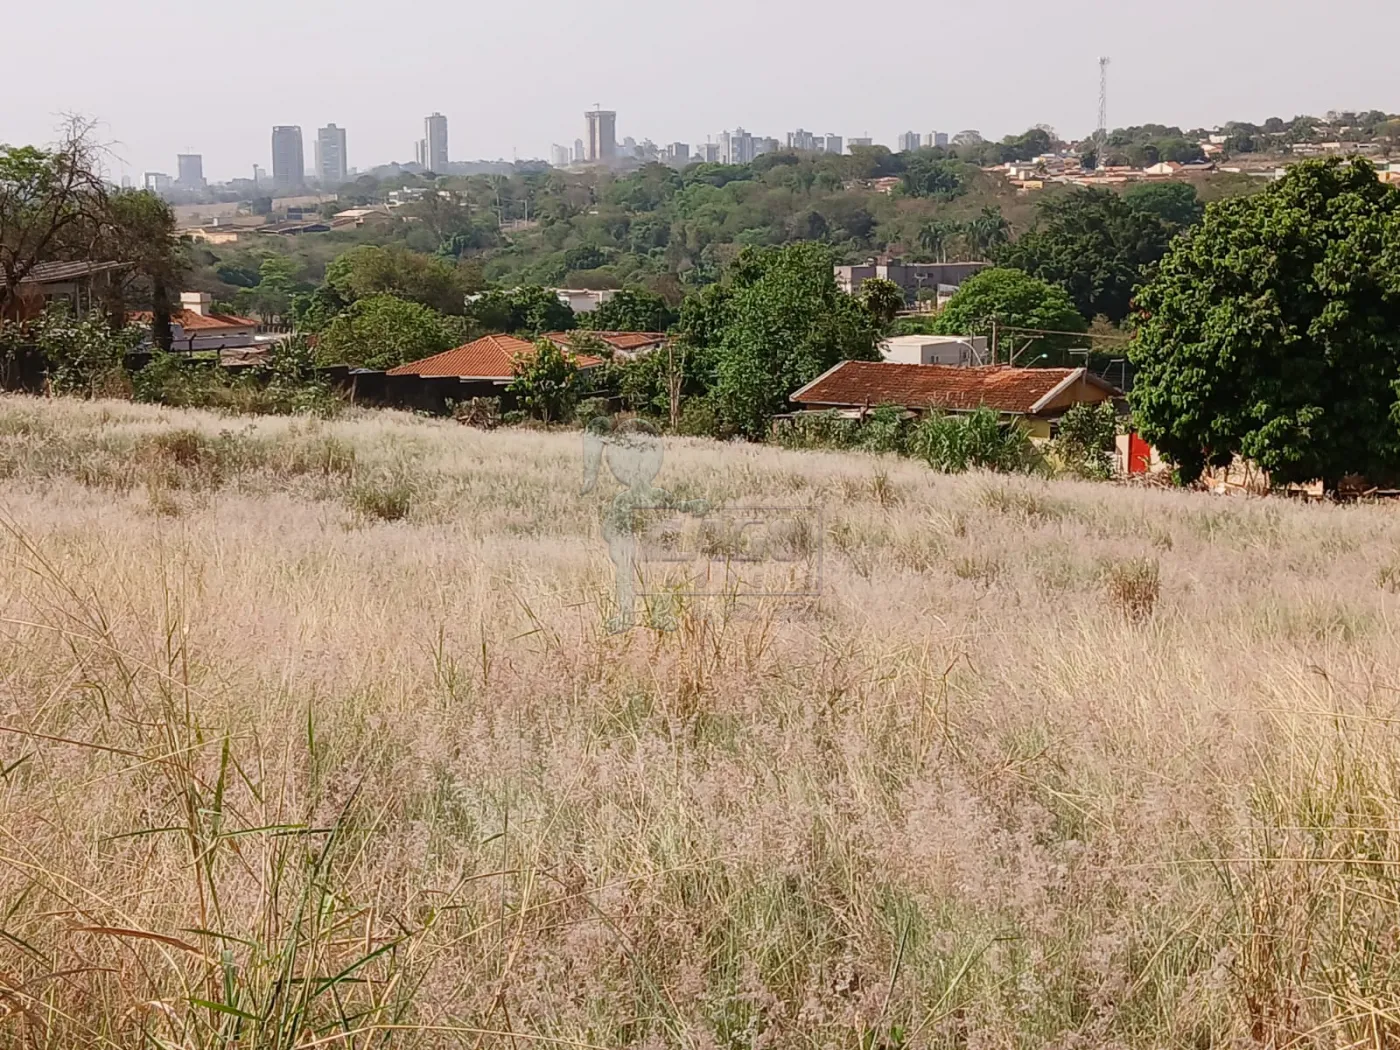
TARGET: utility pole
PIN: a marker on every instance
(994, 340)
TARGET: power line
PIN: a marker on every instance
(1053, 331)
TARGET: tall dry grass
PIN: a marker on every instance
(313, 736)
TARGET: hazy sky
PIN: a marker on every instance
(165, 76)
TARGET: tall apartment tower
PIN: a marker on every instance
(909, 141)
(332, 168)
(834, 143)
(191, 168)
(602, 135)
(435, 135)
(288, 160)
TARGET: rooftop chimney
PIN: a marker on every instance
(197, 302)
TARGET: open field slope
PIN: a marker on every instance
(314, 736)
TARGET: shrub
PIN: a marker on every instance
(1084, 443)
(591, 408)
(481, 412)
(698, 419)
(976, 441)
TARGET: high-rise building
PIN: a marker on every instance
(935, 139)
(288, 160)
(678, 153)
(857, 143)
(804, 141)
(331, 162)
(765, 144)
(191, 168)
(559, 156)
(709, 152)
(259, 175)
(735, 147)
(435, 135)
(834, 143)
(158, 181)
(909, 142)
(602, 135)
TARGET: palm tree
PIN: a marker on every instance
(988, 231)
(934, 237)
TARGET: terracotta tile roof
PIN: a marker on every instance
(945, 387)
(193, 322)
(490, 357)
(625, 342)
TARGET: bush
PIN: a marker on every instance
(976, 441)
(1084, 443)
(591, 408)
(84, 354)
(699, 419)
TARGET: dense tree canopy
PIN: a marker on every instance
(383, 331)
(527, 311)
(631, 310)
(1176, 204)
(1272, 331)
(370, 270)
(1012, 299)
(779, 323)
(1094, 244)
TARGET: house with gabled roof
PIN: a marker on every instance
(1035, 396)
(625, 345)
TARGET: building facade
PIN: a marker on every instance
(602, 135)
(435, 143)
(191, 168)
(909, 142)
(559, 156)
(805, 141)
(834, 144)
(288, 159)
(158, 181)
(332, 167)
(858, 143)
(936, 140)
(912, 277)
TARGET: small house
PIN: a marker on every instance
(1035, 396)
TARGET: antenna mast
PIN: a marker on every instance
(1102, 133)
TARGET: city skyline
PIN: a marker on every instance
(1165, 70)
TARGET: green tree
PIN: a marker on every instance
(987, 232)
(1012, 299)
(370, 270)
(1092, 243)
(1085, 439)
(547, 382)
(528, 311)
(883, 298)
(1272, 331)
(83, 353)
(384, 331)
(631, 310)
(1176, 204)
(931, 176)
(53, 204)
(935, 236)
(784, 323)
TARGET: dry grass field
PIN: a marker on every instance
(314, 736)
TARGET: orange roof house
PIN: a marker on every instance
(492, 357)
(1036, 395)
(628, 344)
